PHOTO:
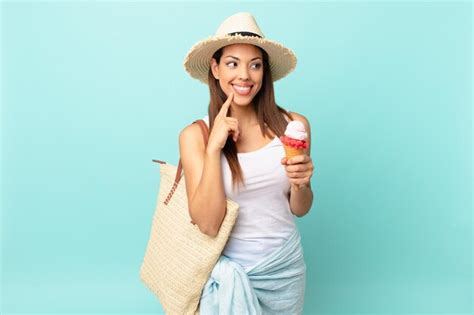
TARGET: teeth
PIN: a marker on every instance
(241, 88)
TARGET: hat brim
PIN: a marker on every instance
(197, 61)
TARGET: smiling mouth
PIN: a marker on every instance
(242, 90)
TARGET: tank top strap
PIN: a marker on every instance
(206, 120)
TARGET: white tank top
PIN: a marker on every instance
(265, 220)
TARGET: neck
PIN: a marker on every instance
(246, 115)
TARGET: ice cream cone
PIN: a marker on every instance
(294, 141)
(291, 151)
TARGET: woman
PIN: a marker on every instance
(261, 269)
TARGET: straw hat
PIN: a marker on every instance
(240, 28)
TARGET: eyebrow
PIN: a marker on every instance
(239, 59)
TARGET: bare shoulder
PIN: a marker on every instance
(190, 139)
(190, 132)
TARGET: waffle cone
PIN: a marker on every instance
(291, 151)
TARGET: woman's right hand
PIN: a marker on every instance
(223, 127)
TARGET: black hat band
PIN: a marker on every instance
(244, 34)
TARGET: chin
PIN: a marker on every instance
(242, 101)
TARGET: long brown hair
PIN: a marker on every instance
(268, 112)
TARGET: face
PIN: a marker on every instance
(240, 71)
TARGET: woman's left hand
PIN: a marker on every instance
(299, 169)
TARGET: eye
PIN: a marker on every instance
(230, 63)
(257, 65)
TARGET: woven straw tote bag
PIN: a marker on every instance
(179, 257)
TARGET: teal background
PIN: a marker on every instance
(92, 92)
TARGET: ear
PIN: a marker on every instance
(215, 68)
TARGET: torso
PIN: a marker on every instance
(265, 220)
(253, 140)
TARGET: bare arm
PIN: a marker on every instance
(204, 187)
(300, 169)
(202, 170)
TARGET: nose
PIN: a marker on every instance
(243, 74)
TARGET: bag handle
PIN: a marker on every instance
(205, 134)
